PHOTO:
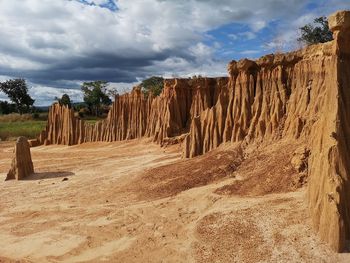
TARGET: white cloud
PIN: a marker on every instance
(201, 51)
(258, 25)
(286, 36)
(249, 52)
(304, 19)
(99, 2)
(122, 87)
(247, 35)
(54, 42)
(47, 31)
(18, 63)
(233, 36)
(45, 94)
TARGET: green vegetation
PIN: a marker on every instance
(7, 108)
(153, 84)
(95, 97)
(93, 121)
(30, 129)
(316, 33)
(94, 108)
(28, 125)
(64, 100)
(17, 92)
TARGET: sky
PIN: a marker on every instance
(56, 45)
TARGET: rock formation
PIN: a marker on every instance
(329, 174)
(22, 165)
(133, 115)
(62, 127)
(302, 96)
(33, 142)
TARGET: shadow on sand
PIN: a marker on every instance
(48, 175)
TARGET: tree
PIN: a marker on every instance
(5, 107)
(17, 91)
(64, 100)
(153, 84)
(316, 33)
(79, 106)
(95, 95)
(112, 92)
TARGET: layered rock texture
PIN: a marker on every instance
(329, 188)
(134, 115)
(22, 165)
(302, 96)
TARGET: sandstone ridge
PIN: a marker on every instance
(299, 96)
(134, 115)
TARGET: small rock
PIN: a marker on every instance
(300, 159)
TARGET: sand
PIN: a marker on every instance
(136, 202)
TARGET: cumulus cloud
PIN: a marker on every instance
(45, 93)
(57, 44)
(286, 34)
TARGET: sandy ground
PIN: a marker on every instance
(136, 202)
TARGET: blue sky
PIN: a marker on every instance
(239, 40)
(57, 45)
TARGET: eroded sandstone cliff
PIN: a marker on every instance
(302, 96)
(134, 115)
(329, 189)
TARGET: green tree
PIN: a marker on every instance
(95, 96)
(112, 92)
(5, 107)
(17, 91)
(64, 100)
(79, 106)
(315, 33)
(153, 84)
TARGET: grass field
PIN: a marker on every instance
(91, 121)
(28, 128)
(15, 125)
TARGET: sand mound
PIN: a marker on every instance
(172, 179)
(267, 170)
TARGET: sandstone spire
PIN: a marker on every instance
(22, 165)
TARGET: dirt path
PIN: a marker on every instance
(93, 217)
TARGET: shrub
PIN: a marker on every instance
(316, 33)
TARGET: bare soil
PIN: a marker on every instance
(136, 202)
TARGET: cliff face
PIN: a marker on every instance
(181, 99)
(329, 172)
(274, 97)
(127, 119)
(302, 96)
(134, 115)
(62, 127)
